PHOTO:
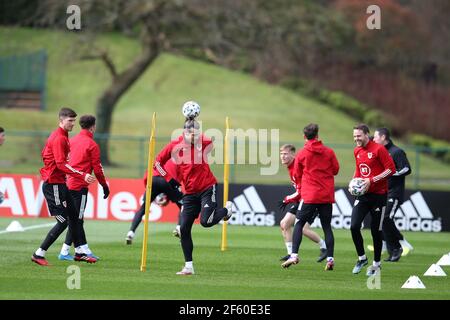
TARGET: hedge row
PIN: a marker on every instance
(339, 101)
(439, 149)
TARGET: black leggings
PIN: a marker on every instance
(307, 213)
(80, 200)
(203, 203)
(376, 205)
(391, 234)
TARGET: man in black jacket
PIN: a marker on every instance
(396, 192)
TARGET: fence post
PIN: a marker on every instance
(44, 81)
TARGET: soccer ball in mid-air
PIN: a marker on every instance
(356, 187)
(191, 109)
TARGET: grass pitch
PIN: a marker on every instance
(249, 269)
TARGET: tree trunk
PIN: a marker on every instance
(120, 84)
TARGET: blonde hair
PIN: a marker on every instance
(290, 147)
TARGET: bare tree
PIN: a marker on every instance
(215, 28)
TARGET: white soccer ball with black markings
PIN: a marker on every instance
(161, 199)
(191, 109)
(356, 187)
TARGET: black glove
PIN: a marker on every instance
(174, 183)
(282, 205)
(105, 191)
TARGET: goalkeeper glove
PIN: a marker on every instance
(105, 191)
(282, 205)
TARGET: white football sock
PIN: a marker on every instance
(189, 264)
(40, 252)
(363, 257)
(65, 249)
(86, 249)
(288, 247)
(322, 244)
(79, 250)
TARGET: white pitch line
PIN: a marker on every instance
(31, 227)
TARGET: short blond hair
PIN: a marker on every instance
(289, 147)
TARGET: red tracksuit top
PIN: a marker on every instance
(296, 196)
(170, 167)
(55, 158)
(374, 161)
(315, 168)
(191, 161)
(84, 156)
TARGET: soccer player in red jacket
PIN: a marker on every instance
(169, 192)
(85, 157)
(315, 167)
(287, 157)
(190, 153)
(60, 203)
(375, 165)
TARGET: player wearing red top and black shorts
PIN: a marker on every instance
(287, 157)
(85, 157)
(59, 201)
(375, 165)
(314, 168)
(190, 152)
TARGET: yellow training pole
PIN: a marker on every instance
(226, 176)
(148, 193)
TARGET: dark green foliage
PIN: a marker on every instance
(439, 149)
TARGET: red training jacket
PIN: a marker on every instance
(296, 196)
(191, 161)
(170, 167)
(315, 167)
(85, 156)
(374, 161)
(55, 158)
